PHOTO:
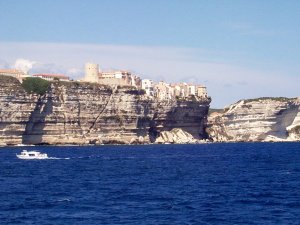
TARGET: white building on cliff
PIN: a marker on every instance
(148, 86)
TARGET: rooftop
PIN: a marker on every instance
(12, 71)
(50, 75)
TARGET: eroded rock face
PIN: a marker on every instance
(177, 136)
(85, 113)
(15, 109)
(264, 119)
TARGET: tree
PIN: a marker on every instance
(36, 85)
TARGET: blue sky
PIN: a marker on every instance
(237, 48)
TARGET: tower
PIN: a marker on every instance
(91, 72)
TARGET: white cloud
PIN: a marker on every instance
(75, 72)
(47, 68)
(226, 82)
(24, 64)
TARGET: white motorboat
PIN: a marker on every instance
(32, 155)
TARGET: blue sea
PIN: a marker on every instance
(238, 183)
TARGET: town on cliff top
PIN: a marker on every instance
(114, 107)
(161, 90)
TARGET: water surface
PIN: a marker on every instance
(246, 183)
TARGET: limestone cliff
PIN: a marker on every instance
(262, 119)
(86, 113)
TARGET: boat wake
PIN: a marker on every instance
(57, 158)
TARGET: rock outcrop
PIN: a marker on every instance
(262, 119)
(176, 136)
(86, 113)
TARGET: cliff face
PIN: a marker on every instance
(264, 119)
(85, 113)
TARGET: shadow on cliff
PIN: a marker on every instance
(190, 116)
(34, 129)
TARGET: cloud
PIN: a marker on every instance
(34, 67)
(41, 67)
(75, 72)
(24, 65)
(226, 82)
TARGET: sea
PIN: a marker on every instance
(233, 183)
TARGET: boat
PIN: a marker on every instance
(32, 155)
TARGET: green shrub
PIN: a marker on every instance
(280, 99)
(210, 111)
(36, 85)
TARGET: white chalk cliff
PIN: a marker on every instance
(87, 113)
(262, 119)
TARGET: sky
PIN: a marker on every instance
(239, 49)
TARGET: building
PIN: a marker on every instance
(148, 86)
(184, 90)
(119, 74)
(201, 91)
(115, 77)
(51, 77)
(13, 73)
(119, 77)
(91, 72)
(136, 81)
(191, 89)
(164, 91)
(177, 89)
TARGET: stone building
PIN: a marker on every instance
(115, 77)
(20, 75)
(91, 72)
(164, 91)
(168, 91)
(119, 77)
(51, 77)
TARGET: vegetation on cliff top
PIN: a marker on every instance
(36, 85)
(210, 111)
(280, 99)
(8, 79)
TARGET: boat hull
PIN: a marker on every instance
(32, 155)
(28, 157)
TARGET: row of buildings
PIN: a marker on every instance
(163, 90)
(160, 90)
